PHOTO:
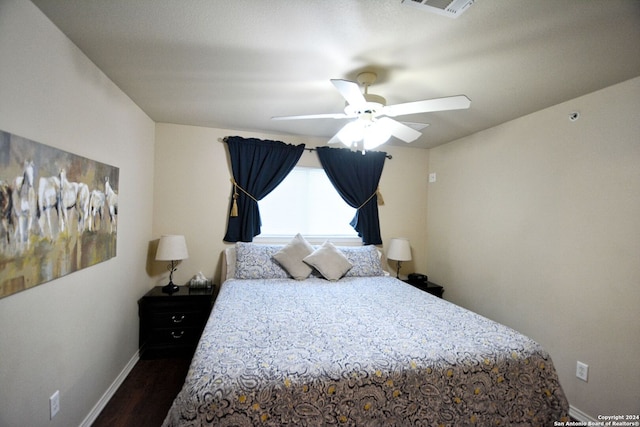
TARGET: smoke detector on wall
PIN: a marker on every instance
(450, 8)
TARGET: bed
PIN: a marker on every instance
(365, 349)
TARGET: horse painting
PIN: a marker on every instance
(43, 190)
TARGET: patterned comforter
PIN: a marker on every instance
(360, 351)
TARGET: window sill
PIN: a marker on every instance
(314, 240)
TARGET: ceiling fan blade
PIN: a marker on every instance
(314, 116)
(334, 139)
(414, 125)
(459, 102)
(349, 91)
(399, 130)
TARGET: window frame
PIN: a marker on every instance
(338, 239)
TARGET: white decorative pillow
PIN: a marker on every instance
(329, 261)
(291, 256)
(255, 262)
(365, 260)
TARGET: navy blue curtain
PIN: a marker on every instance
(258, 167)
(356, 176)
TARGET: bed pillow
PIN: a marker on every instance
(256, 262)
(329, 261)
(290, 257)
(365, 260)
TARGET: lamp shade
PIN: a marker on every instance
(172, 248)
(399, 249)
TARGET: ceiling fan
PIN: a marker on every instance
(373, 124)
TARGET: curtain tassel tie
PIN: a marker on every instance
(375, 193)
(380, 199)
(234, 204)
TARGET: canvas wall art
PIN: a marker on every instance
(59, 213)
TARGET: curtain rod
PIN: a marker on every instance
(388, 156)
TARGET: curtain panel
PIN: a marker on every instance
(356, 177)
(258, 166)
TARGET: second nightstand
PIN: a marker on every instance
(171, 324)
(430, 287)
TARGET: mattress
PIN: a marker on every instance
(361, 351)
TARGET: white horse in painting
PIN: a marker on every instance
(96, 208)
(24, 202)
(70, 193)
(48, 198)
(82, 205)
(111, 197)
(74, 195)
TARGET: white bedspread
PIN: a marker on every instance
(361, 351)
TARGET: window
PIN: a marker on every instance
(306, 202)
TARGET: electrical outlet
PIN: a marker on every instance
(54, 403)
(582, 371)
(432, 177)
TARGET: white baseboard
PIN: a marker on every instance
(102, 402)
(579, 415)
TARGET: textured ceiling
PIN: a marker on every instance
(236, 64)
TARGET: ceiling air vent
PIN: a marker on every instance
(450, 8)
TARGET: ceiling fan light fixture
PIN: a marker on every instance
(375, 135)
(351, 132)
(370, 133)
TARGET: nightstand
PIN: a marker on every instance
(430, 287)
(171, 324)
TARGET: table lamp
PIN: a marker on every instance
(399, 250)
(171, 248)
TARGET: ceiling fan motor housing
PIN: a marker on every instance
(373, 107)
(374, 104)
(367, 78)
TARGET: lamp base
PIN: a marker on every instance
(398, 266)
(171, 288)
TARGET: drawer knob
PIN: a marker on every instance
(177, 335)
(177, 319)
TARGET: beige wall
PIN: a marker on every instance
(74, 334)
(536, 224)
(192, 190)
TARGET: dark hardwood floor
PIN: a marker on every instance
(146, 394)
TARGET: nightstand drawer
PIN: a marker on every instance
(173, 336)
(179, 318)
